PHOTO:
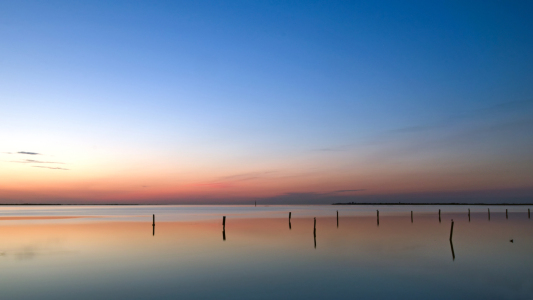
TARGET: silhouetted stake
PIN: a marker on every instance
(469, 215)
(411, 216)
(289, 220)
(314, 232)
(439, 215)
(528, 214)
(337, 219)
(224, 222)
(453, 253)
(451, 232)
(489, 214)
(224, 235)
(153, 224)
(378, 217)
(506, 214)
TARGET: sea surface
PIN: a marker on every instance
(115, 252)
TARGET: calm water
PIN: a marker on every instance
(114, 252)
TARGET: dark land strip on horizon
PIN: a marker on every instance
(445, 203)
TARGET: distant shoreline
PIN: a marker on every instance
(406, 203)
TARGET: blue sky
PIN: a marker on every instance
(215, 86)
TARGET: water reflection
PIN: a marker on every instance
(117, 260)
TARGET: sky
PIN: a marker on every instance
(279, 102)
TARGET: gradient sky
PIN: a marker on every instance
(274, 101)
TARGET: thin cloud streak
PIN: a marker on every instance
(29, 153)
(31, 161)
(51, 168)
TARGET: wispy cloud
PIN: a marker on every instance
(347, 191)
(28, 153)
(32, 161)
(51, 168)
(227, 181)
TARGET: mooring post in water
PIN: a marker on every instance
(439, 215)
(489, 214)
(469, 215)
(153, 224)
(453, 253)
(337, 219)
(290, 220)
(378, 217)
(223, 234)
(314, 232)
(411, 216)
(451, 232)
(224, 222)
(506, 214)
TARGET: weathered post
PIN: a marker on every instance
(314, 233)
(451, 232)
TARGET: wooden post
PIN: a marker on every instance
(469, 215)
(411, 216)
(314, 232)
(224, 221)
(290, 220)
(153, 220)
(439, 215)
(378, 217)
(337, 219)
(451, 232)
(506, 214)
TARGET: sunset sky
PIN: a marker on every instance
(269, 101)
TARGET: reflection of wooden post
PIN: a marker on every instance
(451, 232)
(378, 217)
(506, 214)
(489, 214)
(439, 215)
(337, 219)
(411, 216)
(153, 224)
(223, 234)
(528, 214)
(469, 215)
